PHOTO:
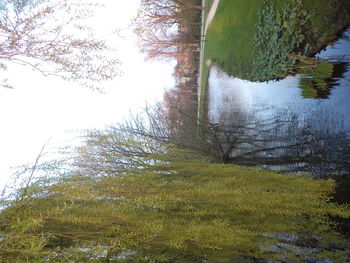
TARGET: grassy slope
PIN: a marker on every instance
(231, 31)
(229, 37)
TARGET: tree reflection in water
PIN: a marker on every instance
(316, 143)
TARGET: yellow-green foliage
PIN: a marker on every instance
(180, 209)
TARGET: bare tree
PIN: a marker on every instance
(50, 37)
(164, 43)
(167, 27)
(169, 12)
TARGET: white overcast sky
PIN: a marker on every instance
(40, 108)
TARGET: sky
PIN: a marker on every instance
(41, 108)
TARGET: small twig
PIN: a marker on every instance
(34, 167)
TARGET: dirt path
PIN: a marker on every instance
(211, 15)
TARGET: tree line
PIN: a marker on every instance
(167, 28)
(171, 30)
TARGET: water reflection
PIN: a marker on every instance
(271, 125)
(319, 83)
(280, 139)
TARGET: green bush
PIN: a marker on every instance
(279, 35)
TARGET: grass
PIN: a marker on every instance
(230, 32)
(230, 35)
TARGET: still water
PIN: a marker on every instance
(275, 126)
